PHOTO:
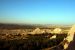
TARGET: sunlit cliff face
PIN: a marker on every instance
(57, 30)
(37, 31)
(70, 36)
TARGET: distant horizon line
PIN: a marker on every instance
(36, 24)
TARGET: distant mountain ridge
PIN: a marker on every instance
(15, 26)
(29, 26)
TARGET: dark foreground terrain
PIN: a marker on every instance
(32, 42)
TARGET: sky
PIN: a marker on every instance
(37, 11)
